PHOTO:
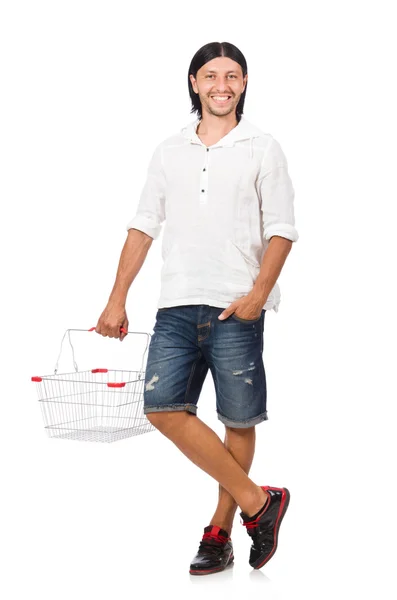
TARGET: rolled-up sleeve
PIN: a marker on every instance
(276, 195)
(151, 206)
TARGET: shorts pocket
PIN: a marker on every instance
(233, 316)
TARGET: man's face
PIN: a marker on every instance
(217, 79)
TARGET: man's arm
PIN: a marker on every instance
(277, 195)
(142, 230)
(272, 263)
(132, 257)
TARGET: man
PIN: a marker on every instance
(223, 187)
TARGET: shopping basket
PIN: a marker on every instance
(99, 405)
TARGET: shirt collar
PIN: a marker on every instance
(244, 130)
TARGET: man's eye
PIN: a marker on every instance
(229, 76)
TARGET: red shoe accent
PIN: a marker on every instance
(252, 524)
(214, 535)
(276, 526)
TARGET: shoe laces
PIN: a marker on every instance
(251, 528)
(254, 524)
(212, 543)
(253, 531)
(251, 524)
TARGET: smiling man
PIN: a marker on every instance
(222, 187)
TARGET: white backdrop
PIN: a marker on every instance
(88, 90)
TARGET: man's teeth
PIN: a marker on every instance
(221, 98)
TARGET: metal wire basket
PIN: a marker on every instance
(99, 405)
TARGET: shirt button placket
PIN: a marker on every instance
(204, 180)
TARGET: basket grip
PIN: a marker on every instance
(93, 329)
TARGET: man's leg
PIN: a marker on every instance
(203, 447)
(240, 442)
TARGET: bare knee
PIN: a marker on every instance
(168, 419)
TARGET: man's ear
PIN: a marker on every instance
(193, 82)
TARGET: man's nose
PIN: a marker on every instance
(222, 88)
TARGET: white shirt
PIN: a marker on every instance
(221, 205)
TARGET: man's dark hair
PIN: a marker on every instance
(204, 55)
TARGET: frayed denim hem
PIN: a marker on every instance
(242, 424)
(192, 408)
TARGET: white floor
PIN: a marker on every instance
(123, 520)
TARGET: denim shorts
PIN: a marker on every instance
(189, 339)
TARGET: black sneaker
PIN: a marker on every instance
(215, 552)
(264, 529)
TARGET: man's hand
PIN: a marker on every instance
(248, 307)
(110, 321)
